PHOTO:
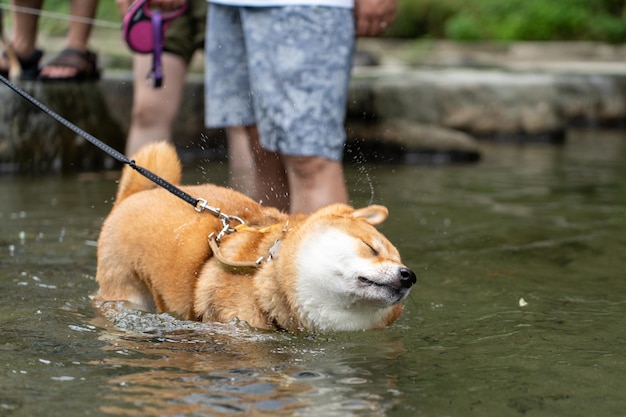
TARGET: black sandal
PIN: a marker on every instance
(29, 66)
(85, 63)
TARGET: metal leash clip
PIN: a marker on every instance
(224, 218)
(227, 228)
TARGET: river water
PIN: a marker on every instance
(520, 306)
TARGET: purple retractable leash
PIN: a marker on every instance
(144, 30)
(157, 35)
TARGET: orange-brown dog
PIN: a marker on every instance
(331, 270)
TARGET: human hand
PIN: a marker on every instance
(372, 17)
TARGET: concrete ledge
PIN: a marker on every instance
(395, 113)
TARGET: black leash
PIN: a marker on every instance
(198, 203)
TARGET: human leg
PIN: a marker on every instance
(80, 27)
(155, 109)
(25, 27)
(240, 160)
(314, 182)
(80, 60)
(270, 178)
(24, 36)
(300, 94)
(21, 55)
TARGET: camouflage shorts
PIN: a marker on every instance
(285, 69)
(186, 33)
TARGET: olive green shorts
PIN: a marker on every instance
(186, 33)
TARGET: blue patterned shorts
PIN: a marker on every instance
(285, 69)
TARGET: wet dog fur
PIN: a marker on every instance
(328, 271)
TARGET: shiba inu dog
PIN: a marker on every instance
(328, 271)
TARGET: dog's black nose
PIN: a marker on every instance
(407, 277)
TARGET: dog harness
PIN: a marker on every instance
(246, 267)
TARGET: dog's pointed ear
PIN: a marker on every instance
(374, 215)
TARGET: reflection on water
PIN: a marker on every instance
(539, 223)
(214, 369)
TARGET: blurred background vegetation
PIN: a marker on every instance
(508, 20)
(468, 20)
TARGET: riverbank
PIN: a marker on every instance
(409, 102)
(442, 96)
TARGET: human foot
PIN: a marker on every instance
(28, 66)
(71, 65)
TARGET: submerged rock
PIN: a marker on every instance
(401, 140)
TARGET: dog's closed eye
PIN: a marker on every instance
(372, 249)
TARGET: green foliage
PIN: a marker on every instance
(502, 20)
(524, 19)
(464, 27)
(55, 26)
(422, 18)
(609, 29)
(505, 20)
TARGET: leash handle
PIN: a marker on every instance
(157, 35)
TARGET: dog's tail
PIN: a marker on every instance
(161, 159)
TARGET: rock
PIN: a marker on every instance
(593, 99)
(480, 103)
(417, 102)
(31, 141)
(401, 140)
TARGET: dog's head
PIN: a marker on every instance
(348, 275)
